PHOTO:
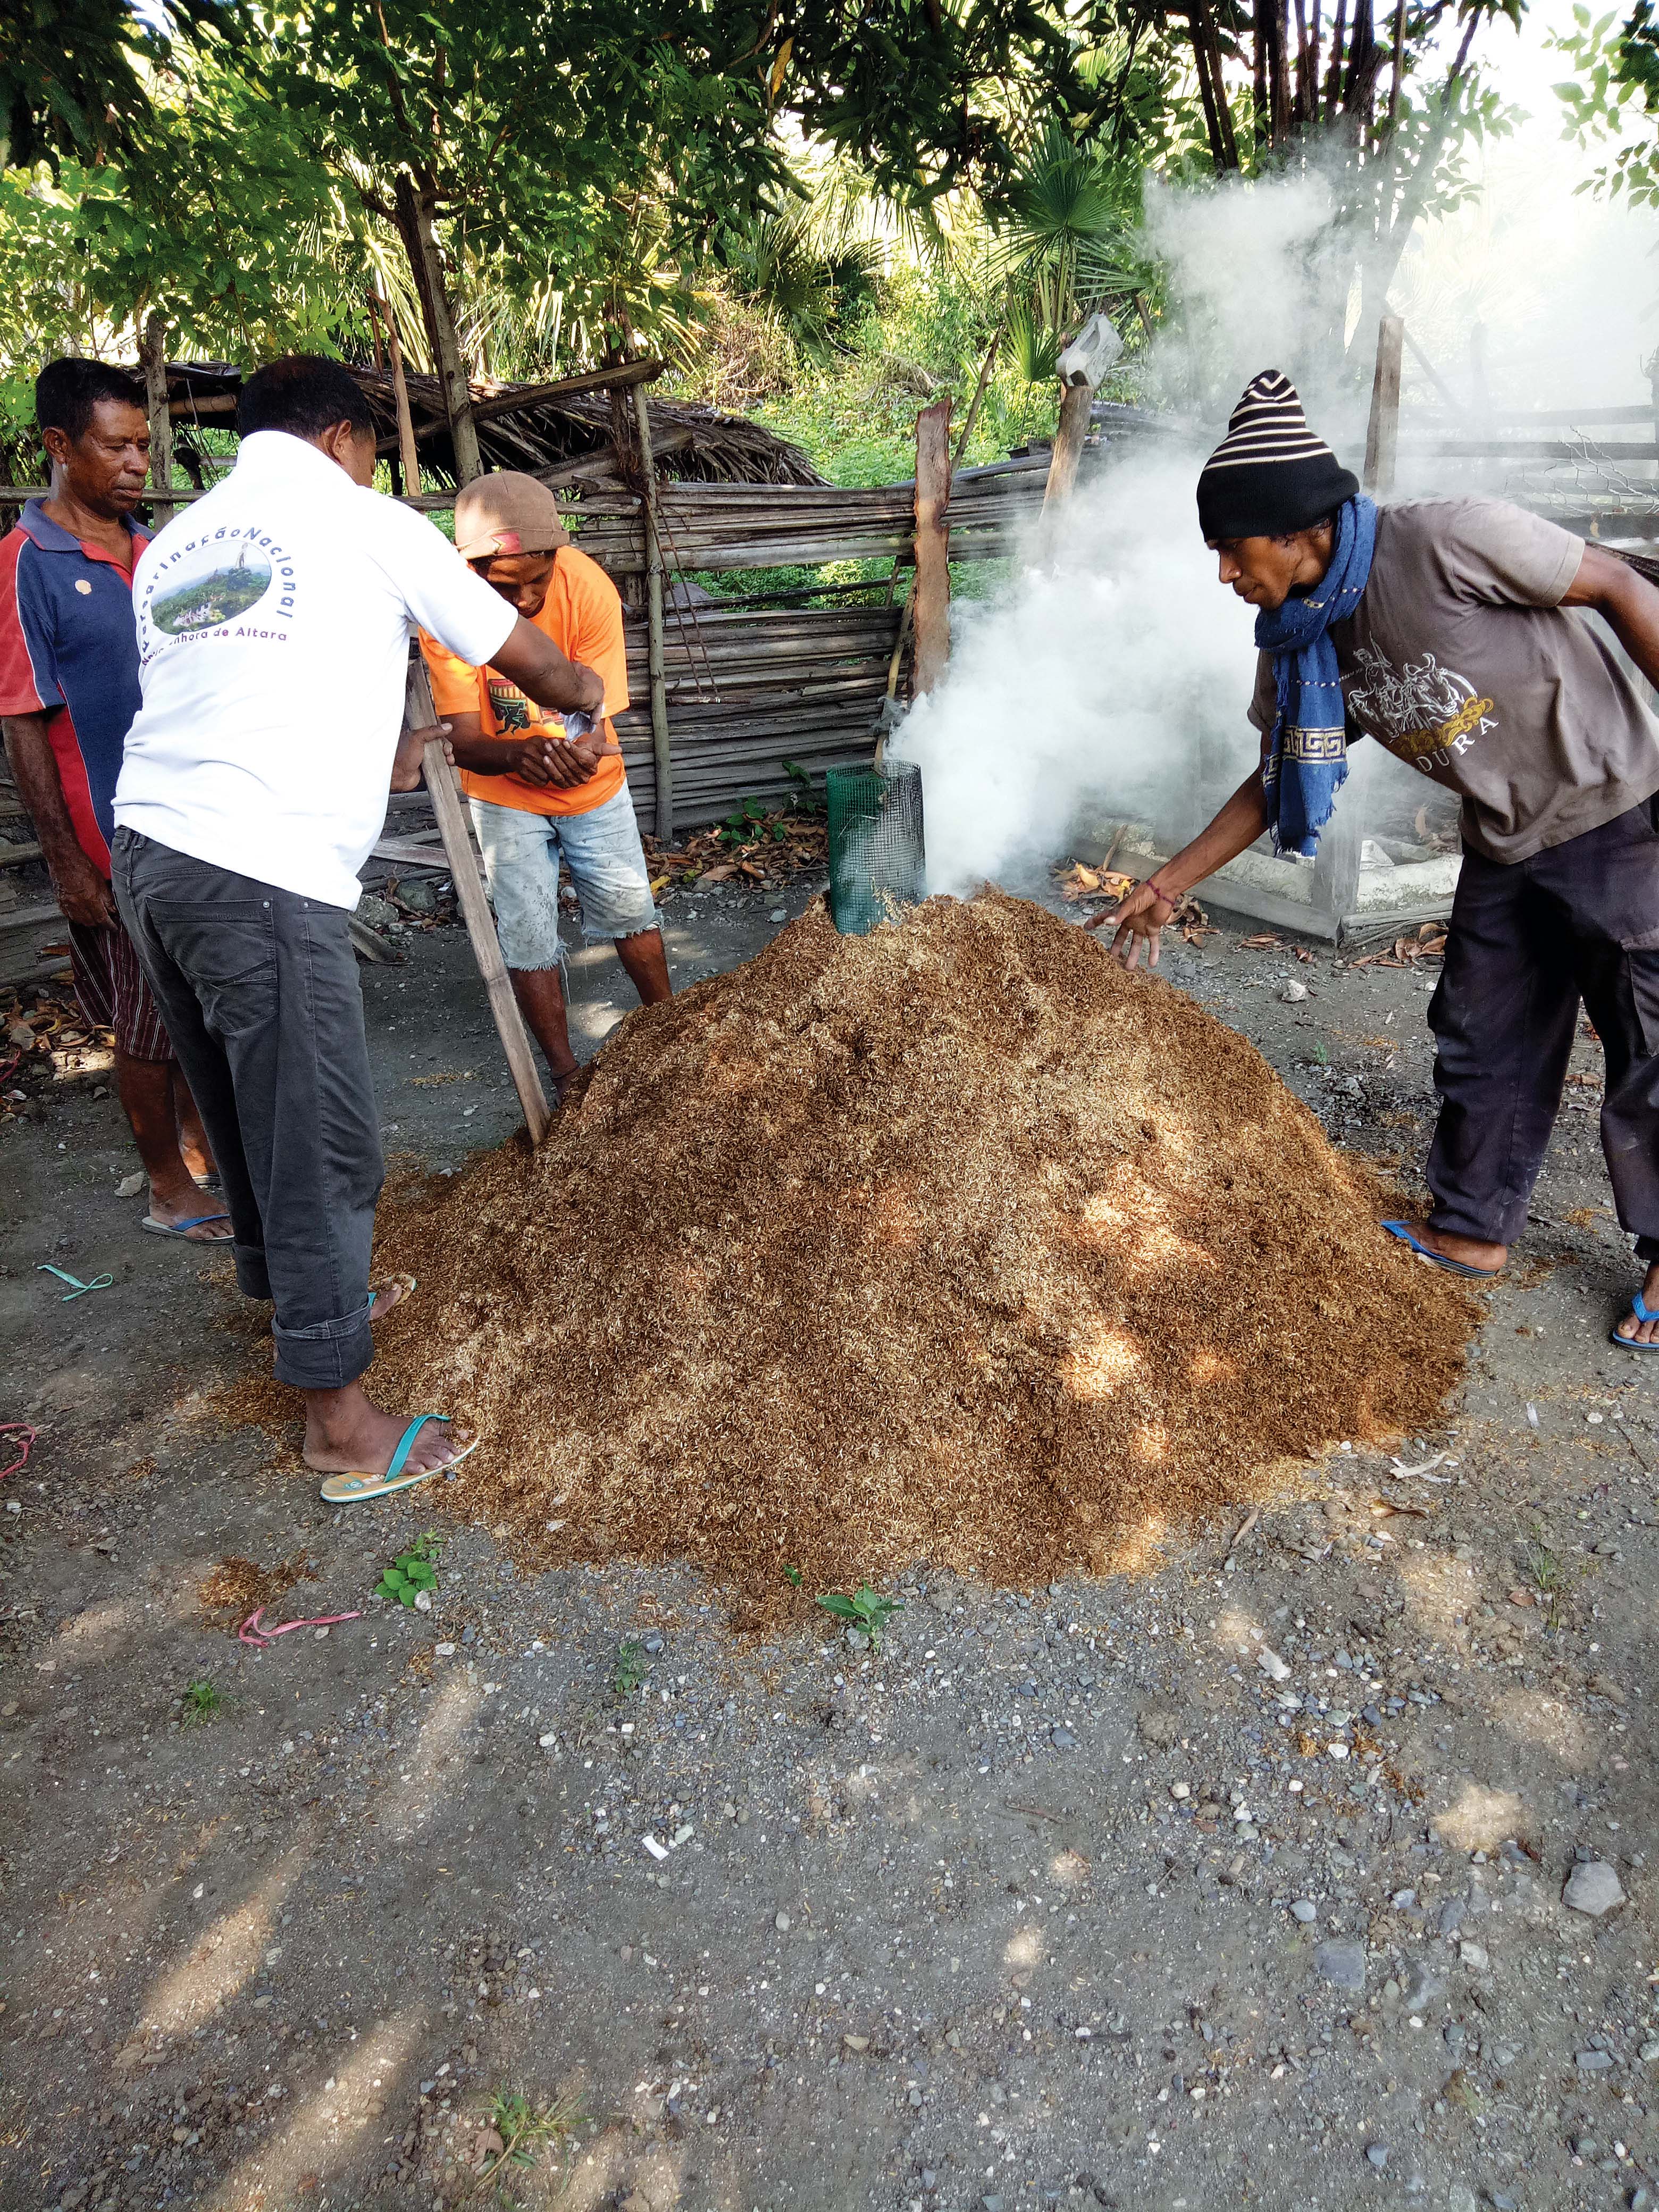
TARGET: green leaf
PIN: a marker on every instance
(844, 1609)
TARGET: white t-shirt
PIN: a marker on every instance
(274, 621)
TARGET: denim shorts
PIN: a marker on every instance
(522, 854)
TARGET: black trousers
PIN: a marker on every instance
(1526, 943)
(258, 988)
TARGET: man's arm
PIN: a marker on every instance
(83, 895)
(531, 660)
(1625, 601)
(1149, 906)
(534, 759)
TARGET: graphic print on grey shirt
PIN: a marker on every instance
(1461, 659)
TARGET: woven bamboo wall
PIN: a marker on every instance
(750, 688)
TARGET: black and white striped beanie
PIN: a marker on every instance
(1270, 475)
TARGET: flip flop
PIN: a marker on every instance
(1638, 1307)
(358, 1489)
(1403, 1230)
(154, 1228)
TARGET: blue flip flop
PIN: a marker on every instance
(358, 1489)
(152, 1227)
(1639, 1308)
(1403, 1230)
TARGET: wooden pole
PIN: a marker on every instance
(1382, 433)
(407, 449)
(932, 585)
(972, 416)
(413, 211)
(152, 353)
(443, 787)
(1075, 402)
(662, 820)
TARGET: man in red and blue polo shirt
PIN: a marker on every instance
(68, 691)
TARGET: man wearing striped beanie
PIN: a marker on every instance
(1441, 628)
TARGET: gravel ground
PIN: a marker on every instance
(1265, 1877)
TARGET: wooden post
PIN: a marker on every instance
(933, 585)
(972, 416)
(443, 787)
(152, 353)
(413, 212)
(408, 452)
(1382, 433)
(663, 815)
(1075, 402)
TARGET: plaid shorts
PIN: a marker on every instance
(113, 994)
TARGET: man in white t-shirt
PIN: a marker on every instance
(274, 622)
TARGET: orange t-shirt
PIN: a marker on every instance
(582, 614)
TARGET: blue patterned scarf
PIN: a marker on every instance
(1307, 762)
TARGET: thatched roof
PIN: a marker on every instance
(564, 436)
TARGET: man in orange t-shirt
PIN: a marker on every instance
(543, 796)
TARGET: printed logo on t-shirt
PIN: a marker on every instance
(201, 589)
(511, 710)
(1429, 715)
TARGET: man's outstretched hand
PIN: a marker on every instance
(1138, 921)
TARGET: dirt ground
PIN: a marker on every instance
(1240, 1883)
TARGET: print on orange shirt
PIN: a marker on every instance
(582, 614)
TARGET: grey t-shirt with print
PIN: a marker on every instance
(1461, 659)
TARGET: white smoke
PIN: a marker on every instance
(1101, 681)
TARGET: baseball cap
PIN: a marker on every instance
(506, 513)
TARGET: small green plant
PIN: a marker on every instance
(744, 826)
(809, 801)
(1322, 1058)
(1542, 1563)
(525, 2130)
(633, 1665)
(1544, 1567)
(201, 1701)
(412, 1571)
(792, 1577)
(865, 1609)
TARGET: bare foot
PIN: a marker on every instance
(391, 1293)
(346, 1433)
(185, 1203)
(1644, 1332)
(1488, 1258)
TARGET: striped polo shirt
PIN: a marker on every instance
(68, 648)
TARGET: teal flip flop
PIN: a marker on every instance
(358, 1489)
(1403, 1230)
(1639, 1306)
(152, 1227)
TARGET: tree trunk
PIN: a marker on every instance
(413, 208)
(153, 355)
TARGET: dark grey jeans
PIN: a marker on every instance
(258, 988)
(1527, 942)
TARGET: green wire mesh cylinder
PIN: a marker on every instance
(878, 860)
